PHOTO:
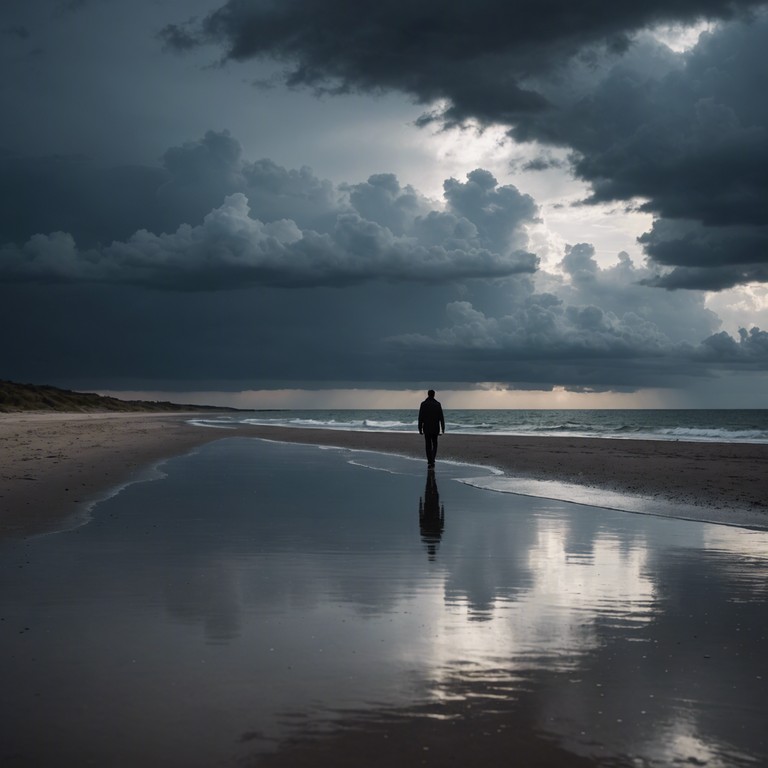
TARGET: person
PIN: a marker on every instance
(431, 423)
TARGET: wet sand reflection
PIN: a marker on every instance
(273, 605)
(431, 516)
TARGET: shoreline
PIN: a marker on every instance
(54, 464)
(723, 483)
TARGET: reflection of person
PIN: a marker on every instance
(431, 423)
(431, 516)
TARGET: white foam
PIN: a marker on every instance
(362, 464)
(613, 500)
(634, 427)
(212, 424)
(715, 435)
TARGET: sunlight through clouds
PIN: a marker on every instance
(681, 38)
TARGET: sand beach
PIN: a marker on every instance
(53, 463)
(272, 603)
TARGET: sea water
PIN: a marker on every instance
(256, 597)
(723, 425)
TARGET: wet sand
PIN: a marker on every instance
(278, 605)
(728, 481)
(52, 464)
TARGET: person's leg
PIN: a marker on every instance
(428, 446)
(431, 445)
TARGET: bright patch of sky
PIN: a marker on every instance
(681, 38)
(493, 396)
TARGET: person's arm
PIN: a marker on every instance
(421, 419)
(442, 420)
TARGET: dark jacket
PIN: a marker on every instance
(431, 419)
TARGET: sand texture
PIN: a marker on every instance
(52, 464)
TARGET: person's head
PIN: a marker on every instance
(431, 393)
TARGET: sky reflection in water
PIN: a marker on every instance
(263, 591)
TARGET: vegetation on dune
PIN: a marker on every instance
(33, 397)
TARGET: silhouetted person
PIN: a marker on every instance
(431, 424)
(431, 516)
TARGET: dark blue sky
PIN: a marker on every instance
(249, 196)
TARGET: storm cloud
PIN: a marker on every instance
(365, 232)
(478, 56)
(301, 195)
(686, 139)
(591, 328)
(680, 135)
(276, 277)
(231, 249)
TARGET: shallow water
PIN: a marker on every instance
(262, 594)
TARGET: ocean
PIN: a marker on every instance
(721, 425)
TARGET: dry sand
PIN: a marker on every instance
(51, 465)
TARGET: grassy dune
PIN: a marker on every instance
(32, 397)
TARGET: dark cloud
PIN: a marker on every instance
(306, 233)
(750, 350)
(621, 288)
(132, 337)
(686, 134)
(96, 205)
(707, 258)
(543, 163)
(546, 344)
(179, 37)
(325, 284)
(382, 198)
(375, 333)
(135, 338)
(689, 135)
(199, 174)
(708, 278)
(230, 250)
(73, 194)
(593, 329)
(545, 340)
(478, 56)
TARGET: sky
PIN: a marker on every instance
(301, 204)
